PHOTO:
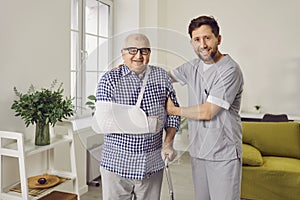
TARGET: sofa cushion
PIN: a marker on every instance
(277, 179)
(251, 156)
(273, 138)
(282, 165)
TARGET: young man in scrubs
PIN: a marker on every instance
(215, 85)
(132, 164)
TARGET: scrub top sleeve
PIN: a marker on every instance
(226, 87)
(177, 77)
(180, 74)
(184, 73)
(217, 101)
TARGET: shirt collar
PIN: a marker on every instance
(125, 70)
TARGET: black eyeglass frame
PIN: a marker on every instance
(143, 51)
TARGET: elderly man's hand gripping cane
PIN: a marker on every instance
(168, 151)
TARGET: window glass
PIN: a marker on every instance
(103, 54)
(74, 14)
(91, 79)
(73, 87)
(91, 17)
(90, 47)
(74, 50)
(103, 19)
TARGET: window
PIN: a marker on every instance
(90, 47)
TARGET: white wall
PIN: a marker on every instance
(262, 36)
(35, 48)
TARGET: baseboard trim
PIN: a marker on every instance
(83, 190)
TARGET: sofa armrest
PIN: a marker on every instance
(251, 156)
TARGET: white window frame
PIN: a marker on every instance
(78, 72)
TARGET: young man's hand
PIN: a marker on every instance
(171, 108)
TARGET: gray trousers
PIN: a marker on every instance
(115, 187)
(216, 180)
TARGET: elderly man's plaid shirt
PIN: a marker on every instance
(136, 156)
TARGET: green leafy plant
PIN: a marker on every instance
(257, 107)
(46, 106)
(91, 103)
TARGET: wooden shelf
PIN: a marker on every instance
(11, 195)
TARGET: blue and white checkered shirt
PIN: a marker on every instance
(136, 156)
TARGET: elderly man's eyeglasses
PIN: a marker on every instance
(134, 50)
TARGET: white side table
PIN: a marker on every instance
(21, 150)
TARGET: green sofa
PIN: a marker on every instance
(271, 161)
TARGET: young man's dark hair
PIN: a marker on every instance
(204, 20)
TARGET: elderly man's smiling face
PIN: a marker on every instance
(136, 53)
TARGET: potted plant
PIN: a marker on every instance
(91, 103)
(257, 108)
(43, 108)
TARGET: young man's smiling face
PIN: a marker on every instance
(136, 60)
(205, 44)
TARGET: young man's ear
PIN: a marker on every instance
(219, 39)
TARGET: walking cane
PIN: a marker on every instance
(169, 180)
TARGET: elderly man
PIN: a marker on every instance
(132, 164)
